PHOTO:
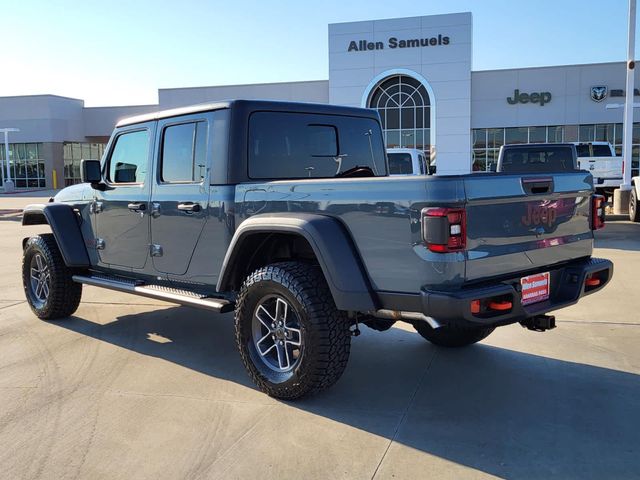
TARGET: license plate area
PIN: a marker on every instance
(535, 288)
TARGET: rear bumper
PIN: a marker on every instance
(567, 286)
(607, 182)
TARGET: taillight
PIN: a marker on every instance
(597, 212)
(444, 229)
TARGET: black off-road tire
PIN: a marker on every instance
(63, 294)
(453, 336)
(634, 214)
(325, 333)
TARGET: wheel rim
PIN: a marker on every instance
(276, 334)
(632, 205)
(40, 279)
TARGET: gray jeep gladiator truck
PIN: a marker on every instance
(275, 211)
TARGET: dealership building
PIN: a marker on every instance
(416, 72)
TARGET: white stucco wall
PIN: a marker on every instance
(42, 118)
(312, 91)
(570, 87)
(446, 69)
(100, 121)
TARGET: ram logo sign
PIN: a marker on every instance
(598, 93)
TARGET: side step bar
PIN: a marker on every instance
(159, 292)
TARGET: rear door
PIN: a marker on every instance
(179, 200)
(525, 222)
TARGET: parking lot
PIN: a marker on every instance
(133, 388)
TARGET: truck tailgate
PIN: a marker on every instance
(602, 167)
(523, 223)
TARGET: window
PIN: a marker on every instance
(537, 134)
(184, 149)
(484, 157)
(424, 169)
(538, 159)
(604, 133)
(570, 133)
(516, 135)
(495, 137)
(555, 134)
(479, 138)
(479, 163)
(129, 158)
(405, 111)
(586, 133)
(73, 154)
(583, 150)
(601, 150)
(297, 145)
(400, 164)
(26, 164)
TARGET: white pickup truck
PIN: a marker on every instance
(599, 159)
(408, 161)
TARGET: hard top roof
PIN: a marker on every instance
(538, 145)
(251, 105)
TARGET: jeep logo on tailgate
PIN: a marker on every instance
(539, 215)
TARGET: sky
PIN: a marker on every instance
(121, 52)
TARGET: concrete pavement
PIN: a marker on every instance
(135, 388)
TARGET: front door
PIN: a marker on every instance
(179, 200)
(121, 211)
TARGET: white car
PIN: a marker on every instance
(409, 161)
(600, 160)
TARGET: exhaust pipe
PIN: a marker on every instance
(411, 317)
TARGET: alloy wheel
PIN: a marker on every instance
(40, 278)
(276, 334)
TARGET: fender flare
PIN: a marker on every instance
(63, 221)
(332, 245)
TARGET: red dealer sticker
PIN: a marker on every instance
(535, 288)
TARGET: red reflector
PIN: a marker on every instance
(475, 306)
(592, 282)
(434, 247)
(504, 305)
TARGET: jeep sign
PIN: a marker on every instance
(540, 98)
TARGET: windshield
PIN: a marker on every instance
(583, 150)
(538, 159)
(400, 164)
(601, 151)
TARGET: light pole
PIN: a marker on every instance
(8, 183)
(621, 195)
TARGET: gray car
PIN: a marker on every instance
(285, 213)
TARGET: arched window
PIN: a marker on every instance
(404, 106)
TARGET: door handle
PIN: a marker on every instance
(189, 207)
(137, 207)
(537, 185)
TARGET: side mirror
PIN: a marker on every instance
(90, 172)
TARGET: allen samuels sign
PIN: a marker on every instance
(394, 42)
